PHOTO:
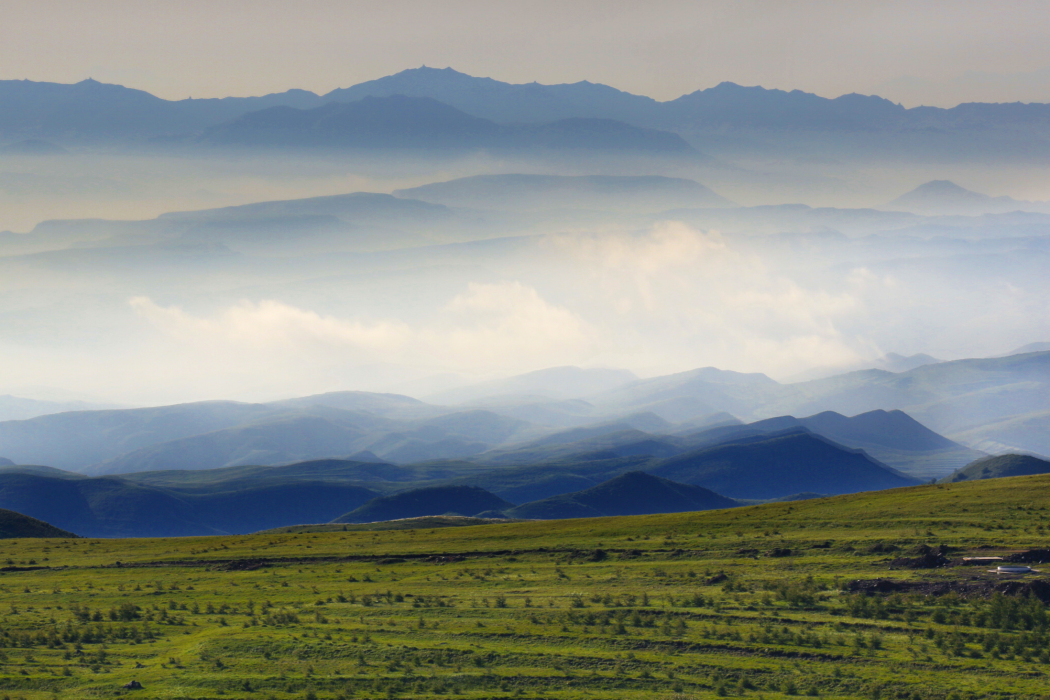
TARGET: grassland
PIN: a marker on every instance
(750, 602)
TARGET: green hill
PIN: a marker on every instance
(436, 500)
(634, 493)
(15, 525)
(1000, 466)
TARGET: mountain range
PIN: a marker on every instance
(422, 124)
(360, 457)
(856, 125)
(553, 414)
(252, 498)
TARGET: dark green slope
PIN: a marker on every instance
(113, 507)
(436, 500)
(15, 525)
(98, 507)
(1000, 466)
(772, 466)
(634, 493)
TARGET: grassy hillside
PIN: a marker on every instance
(810, 598)
(1001, 466)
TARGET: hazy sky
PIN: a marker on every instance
(934, 52)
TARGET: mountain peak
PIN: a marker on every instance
(940, 197)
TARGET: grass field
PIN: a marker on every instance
(746, 602)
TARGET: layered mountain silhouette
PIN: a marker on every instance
(544, 192)
(111, 507)
(775, 466)
(757, 461)
(758, 118)
(634, 493)
(425, 125)
(939, 197)
(514, 429)
(93, 111)
(1000, 466)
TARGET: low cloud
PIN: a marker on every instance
(489, 328)
(704, 301)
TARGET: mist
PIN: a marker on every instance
(137, 310)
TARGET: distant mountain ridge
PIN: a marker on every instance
(634, 493)
(90, 112)
(403, 123)
(544, 192)
(512, 422)
(778, 465)
(940, 197)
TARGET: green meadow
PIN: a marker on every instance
(749, 602)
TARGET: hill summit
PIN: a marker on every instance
(945, 197)
(14, 525)
(634, 493)
(1000, 466)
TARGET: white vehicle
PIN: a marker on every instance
(1014, 569)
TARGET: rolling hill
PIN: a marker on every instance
(633, 493)
(773, 466)
(892, 437)
(1000, 466)
(112, 507)
(436, 500)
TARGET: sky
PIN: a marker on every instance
(933, 52)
